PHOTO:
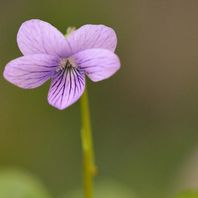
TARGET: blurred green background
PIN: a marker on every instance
(145, 118)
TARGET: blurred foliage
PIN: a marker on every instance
(106, 189)
(188, 194)
(16, 184)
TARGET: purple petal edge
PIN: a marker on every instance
(30, 71)
(92, 36)
(39, 37)
(66, 88)
(98, 64)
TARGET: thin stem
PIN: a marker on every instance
(89, 168)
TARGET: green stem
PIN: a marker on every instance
(89, 168)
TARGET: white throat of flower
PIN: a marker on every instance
(67, 63)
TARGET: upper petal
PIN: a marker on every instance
(39, 37)
(98, 64)
(31, 71)
(92, 36)
(66, 87)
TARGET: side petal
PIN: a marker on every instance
(31, 71)
(66, 88)
(98, 64)
(92, 36)
(39, 37)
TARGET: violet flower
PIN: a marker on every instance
(48, 54)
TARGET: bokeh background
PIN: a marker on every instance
(145, 118)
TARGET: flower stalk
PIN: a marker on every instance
(89, 167)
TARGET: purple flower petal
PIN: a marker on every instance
(31, 71)
(98, 64)
(39, 37)
(66, 87)
(92, 36)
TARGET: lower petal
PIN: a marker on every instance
(31, 71)
(98, 64)
(66, 88)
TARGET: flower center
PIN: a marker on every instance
(67, 63)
